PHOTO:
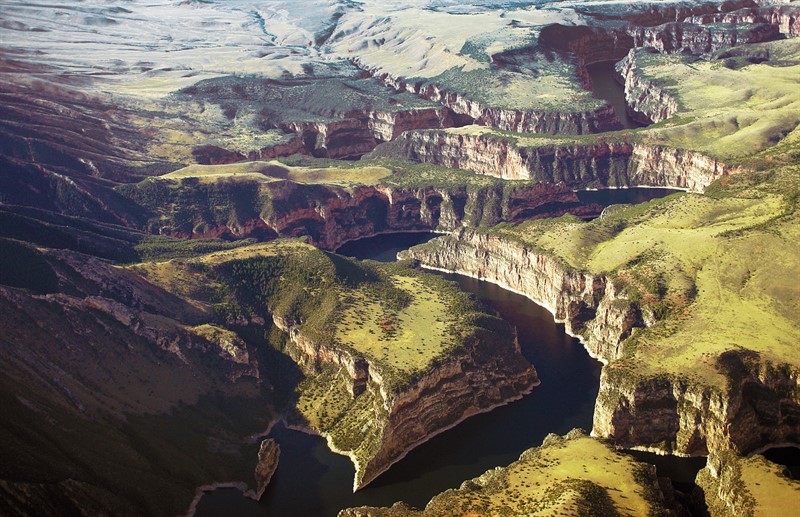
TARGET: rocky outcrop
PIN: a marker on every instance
(474, 379)
(347, 136)
(786, 18)
(517, 120)
(356, 133)
(736, 486)
(589, 305)
(331, 215)
(573, 164)
(268, 456)
(696, 39)
(759, 406)
(646, 101)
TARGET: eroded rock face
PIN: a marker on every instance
(786, 18)
(736, 486)
(646, 101)
(358, 133)
(332, 215)
(611, 163)
(759, 406)
(521, 121)
(588, 304)
(697, 39)
(268, 456)
(474, 379)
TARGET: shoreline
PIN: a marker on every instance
(549, 309)
(463, 418)
(328, 440)
(676, 189)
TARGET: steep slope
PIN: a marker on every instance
(113, 400)
(697, 327)
(393, 356)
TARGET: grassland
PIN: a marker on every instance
(402, 321)
(268, 171)
(730, 107)
(399, 319)
(747, 486)
(573, 475)
(379, 168)
(452, 52)
(714, 269)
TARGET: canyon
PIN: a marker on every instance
(562, 163)
(126, 240)
(754, 406)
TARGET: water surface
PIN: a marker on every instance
(619, 196)
(383, 248)
(606, 86)
(311, 480)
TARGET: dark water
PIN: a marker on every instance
(618, 196)
(681, 471)
(606, 87)
(311, 480)
(383, 248)
(789, 457)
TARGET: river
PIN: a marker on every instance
(311, 480)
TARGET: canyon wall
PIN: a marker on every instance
(589, 305)
(356, 133)
(521, 121)
(785, 17)
(573, 164)
(332, 215)
(759, 406)
(476, 377)
(646, 101)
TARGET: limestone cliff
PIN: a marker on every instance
(357, 133)
(735, 486)
(677, 415)
(674, 414)
(589, 305)
(696, 39)
(784, 17)
(331, 215)
(474, 379)
(523, 121)
(574, 164)
(646, 101)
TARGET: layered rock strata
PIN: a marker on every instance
(786, 18)
(589, 305)
(646, 101)
(357, 133)
(331, 215)
(476, 378)
(576, 165)
(735, 486)
(522, 121)
(759, 406)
